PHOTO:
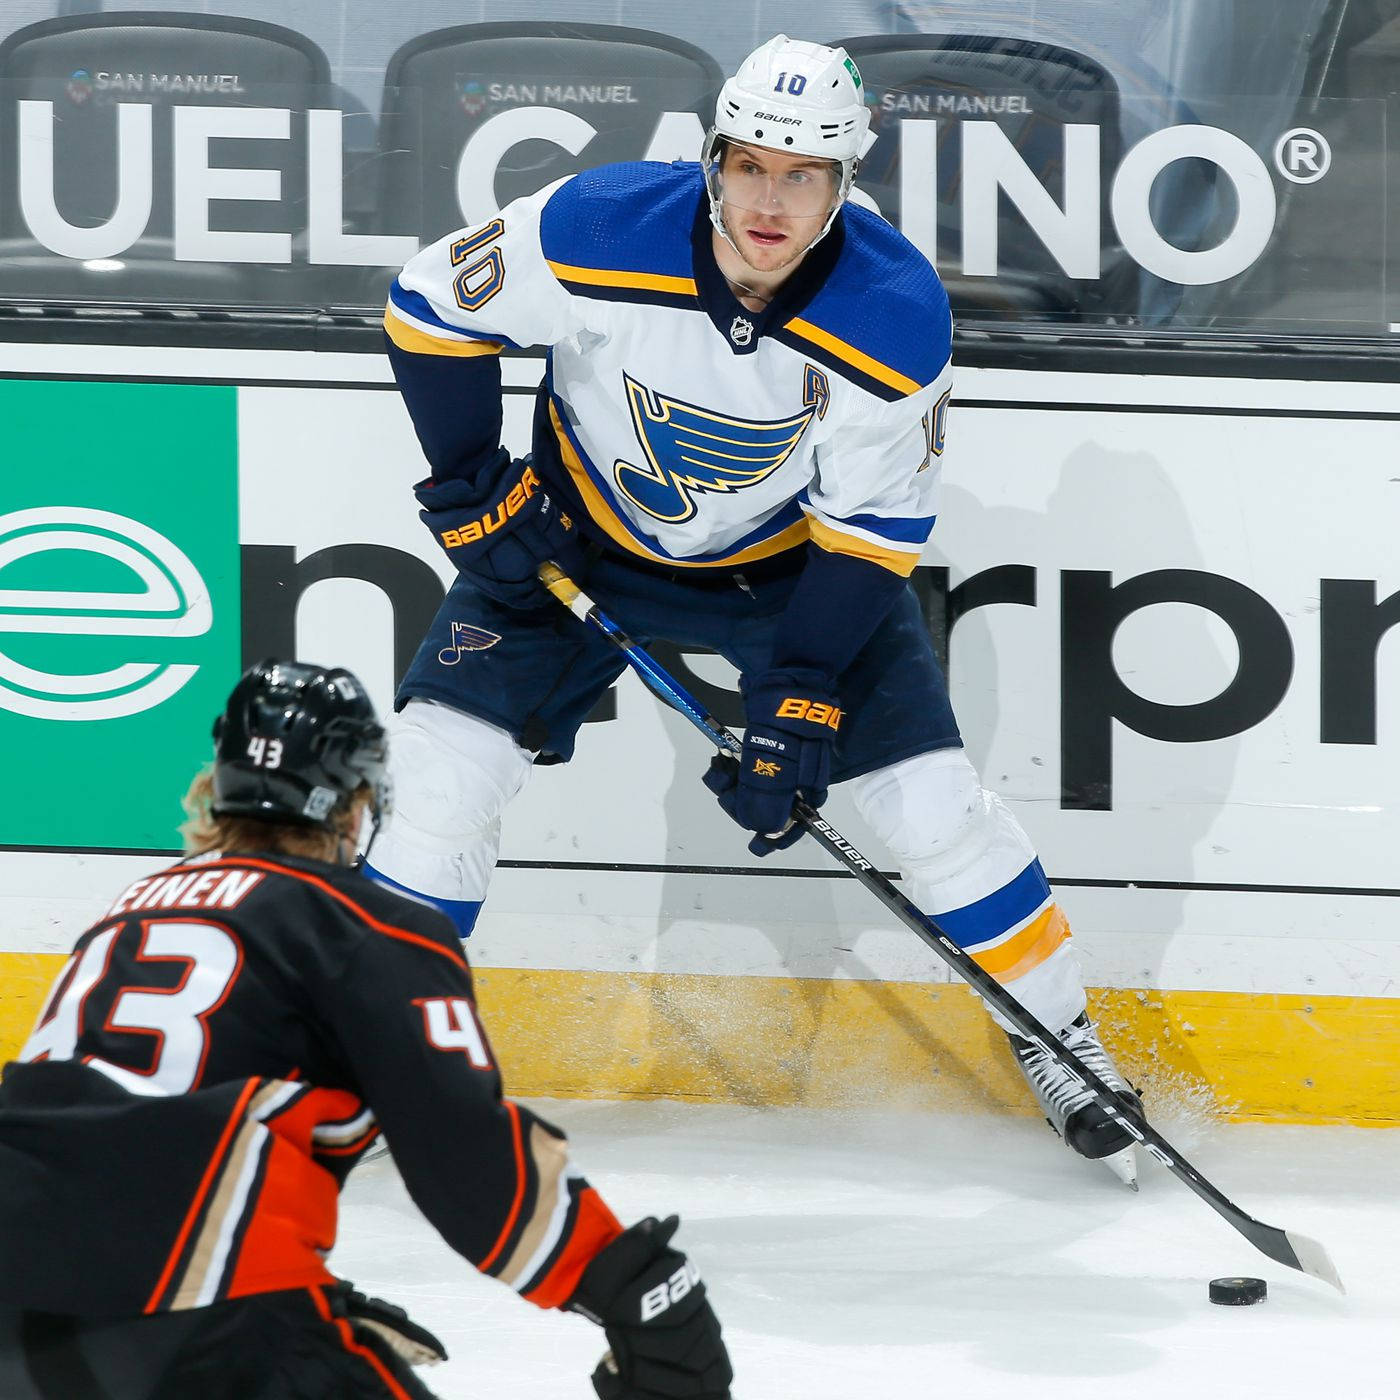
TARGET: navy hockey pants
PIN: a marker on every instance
(537, 673)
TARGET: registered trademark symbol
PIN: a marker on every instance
(1302, 155)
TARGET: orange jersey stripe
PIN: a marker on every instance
(595, 1228)
(292, 1228)
(235, 1119)
(348, 1149)
(347, 1340)
(519, 1188)
(297, 1124)
(389, 930)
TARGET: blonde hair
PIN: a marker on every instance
(204, 830)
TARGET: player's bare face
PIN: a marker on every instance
(774, 206)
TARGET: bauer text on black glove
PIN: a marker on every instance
(664, 1336)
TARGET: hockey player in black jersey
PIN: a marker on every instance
(222, 1047)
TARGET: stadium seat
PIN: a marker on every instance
(85, 65)
(1030, 90)
(443, 89)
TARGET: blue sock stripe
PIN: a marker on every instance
(1003, 909)
(462, 912)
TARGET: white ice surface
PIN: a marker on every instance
(898, 1257)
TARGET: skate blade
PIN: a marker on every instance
(1124, 1165)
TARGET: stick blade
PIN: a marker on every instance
(1313, 1259)
(1299, 1252)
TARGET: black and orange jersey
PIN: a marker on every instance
(219, 1050)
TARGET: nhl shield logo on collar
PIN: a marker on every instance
(741, 332)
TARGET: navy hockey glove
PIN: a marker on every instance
(500, 536)
(664, 1335)
(791, 722)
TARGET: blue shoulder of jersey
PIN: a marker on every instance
(881, 318)
(622, 232)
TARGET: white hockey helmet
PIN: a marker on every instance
(794, 97)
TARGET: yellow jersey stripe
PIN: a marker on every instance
(609, 277)
(1028, 949)
(852, 356)
(897, 561)
(602, 514)
(418, 342)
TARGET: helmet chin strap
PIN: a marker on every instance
(717, 219)
(359, 853)
(355, 852)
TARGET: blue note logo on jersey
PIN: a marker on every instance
(688, 449)
(465, 637)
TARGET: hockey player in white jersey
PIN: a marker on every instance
(737, 443)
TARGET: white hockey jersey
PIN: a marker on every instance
(693, 432)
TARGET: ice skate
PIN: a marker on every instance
(1070, 1109)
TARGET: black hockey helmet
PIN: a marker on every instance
(294, 744)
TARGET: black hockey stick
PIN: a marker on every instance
(1286, 1247)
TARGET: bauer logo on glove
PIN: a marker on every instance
(664, 1338)
(656, 1301)
(792, 721)
(497, 532)
(814, 712)
(512, 504)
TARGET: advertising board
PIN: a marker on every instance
(1167, 609)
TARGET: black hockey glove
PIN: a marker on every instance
(791, 723)
(500, 533)
(651, 1304)
(390, 1323)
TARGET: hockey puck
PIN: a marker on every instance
(1236, 1292)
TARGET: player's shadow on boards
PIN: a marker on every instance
(812, 1026)
(1109, 517)
(1117, 514)
(1114, 514)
